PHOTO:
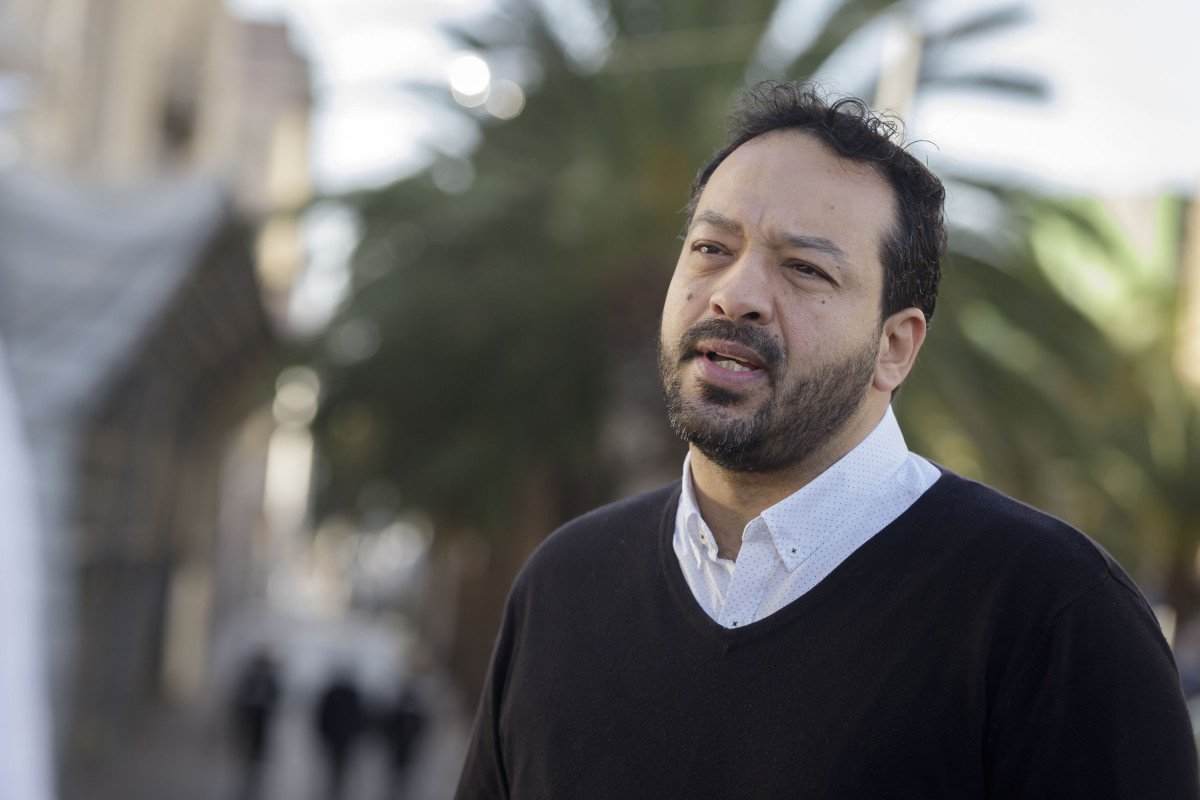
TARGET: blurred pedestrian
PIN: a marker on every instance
(340, 719)
(402, 724)
(255, 700)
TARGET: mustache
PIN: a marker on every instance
(753, 336)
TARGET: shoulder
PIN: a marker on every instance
(616, 526)
(1019, 543)
(617, 536)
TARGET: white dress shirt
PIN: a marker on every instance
(794, 544)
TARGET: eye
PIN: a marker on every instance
(707, 248)
(805, 268)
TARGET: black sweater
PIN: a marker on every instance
(974, 648)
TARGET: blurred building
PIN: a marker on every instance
(153, 160)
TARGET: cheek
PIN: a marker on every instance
(679, 300)
(818, 331)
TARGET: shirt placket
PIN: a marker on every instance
(756, 560)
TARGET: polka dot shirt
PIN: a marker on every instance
(794, 544)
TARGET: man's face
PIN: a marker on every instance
(771, 330)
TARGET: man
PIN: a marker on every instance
(340, 722)
(254, 708)
(815, 612)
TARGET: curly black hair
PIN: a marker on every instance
(912, 250)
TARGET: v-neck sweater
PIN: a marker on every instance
(973, 648)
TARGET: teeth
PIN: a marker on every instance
(733, 366)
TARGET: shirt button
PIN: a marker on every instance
(733, 624)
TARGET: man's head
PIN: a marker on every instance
(912, 249)
(804, 287)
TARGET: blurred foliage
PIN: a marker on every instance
(507, 303)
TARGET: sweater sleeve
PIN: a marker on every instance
(1097, 711)
(483, 775)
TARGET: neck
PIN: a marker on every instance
(729, 500)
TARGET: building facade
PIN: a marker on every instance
(146, 146)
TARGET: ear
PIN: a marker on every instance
(901, 338)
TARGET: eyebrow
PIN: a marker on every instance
(798, 241)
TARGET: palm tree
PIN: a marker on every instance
(514, 385)
(554, 260)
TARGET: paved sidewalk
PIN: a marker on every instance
(167, 754)
(181, 755)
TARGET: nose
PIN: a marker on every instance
(743, 290)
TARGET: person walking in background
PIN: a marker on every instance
(401, 725)
(255, 700)
(813, 611)
(340, 719)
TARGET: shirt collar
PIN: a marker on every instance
(688, 519)
(804, 520)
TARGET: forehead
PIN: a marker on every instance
(789, 182)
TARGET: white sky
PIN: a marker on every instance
(1123, 117)
(367, 130)
(1124, 112)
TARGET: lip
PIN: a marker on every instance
(713, 373)
(729, 348)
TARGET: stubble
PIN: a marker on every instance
(797, 419)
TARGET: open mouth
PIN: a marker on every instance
(731, 363)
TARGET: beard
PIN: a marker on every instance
(795, 421)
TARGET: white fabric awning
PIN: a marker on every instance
(85, 273)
